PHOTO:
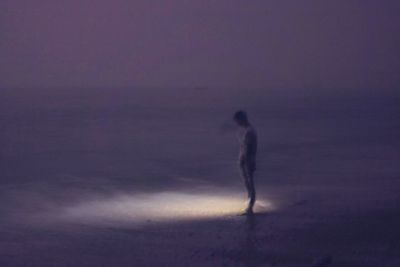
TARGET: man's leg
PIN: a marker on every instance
(245, 176)
(249, 182)
(252, 190)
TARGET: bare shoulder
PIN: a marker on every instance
(251, 133)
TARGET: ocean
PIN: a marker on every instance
(157, 138)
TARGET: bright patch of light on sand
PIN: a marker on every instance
(158, 207)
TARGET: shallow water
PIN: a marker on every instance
(66, 145)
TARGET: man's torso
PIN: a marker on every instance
(248, 147)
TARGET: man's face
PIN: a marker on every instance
(241, 123)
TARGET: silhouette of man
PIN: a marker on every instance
(247, 156)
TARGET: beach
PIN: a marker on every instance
(135, 177)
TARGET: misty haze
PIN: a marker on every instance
(118, 145)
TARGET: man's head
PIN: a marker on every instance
(240, 117)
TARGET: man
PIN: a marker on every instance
(247, 156)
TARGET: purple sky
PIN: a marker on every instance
(220, 43)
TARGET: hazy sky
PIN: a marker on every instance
(224, 43)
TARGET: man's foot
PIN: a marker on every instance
(249, 211)
(246, 212)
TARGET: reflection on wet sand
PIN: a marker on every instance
(152, 207)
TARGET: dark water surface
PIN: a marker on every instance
(160, 138)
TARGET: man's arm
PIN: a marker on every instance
(246, 152)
